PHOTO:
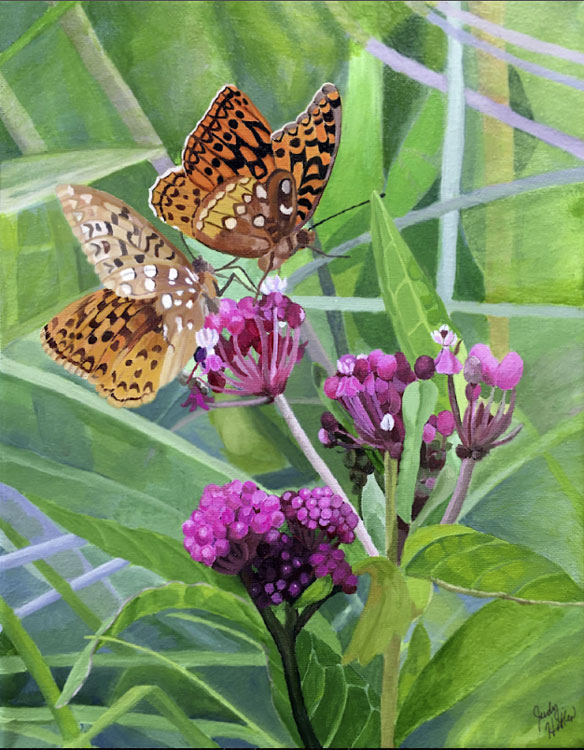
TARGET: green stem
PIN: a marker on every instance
(284, 639)
(389, 691)
(392, 652)
(390, 478)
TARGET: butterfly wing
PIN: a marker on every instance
(175, 200)
(232, 138)
(121, 345)
(246, 217)
(307, 148)
(129, 255)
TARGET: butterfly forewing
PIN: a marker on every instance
(232, 138)
(307, 148)
(138, 333)
(175, 199)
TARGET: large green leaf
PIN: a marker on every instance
(343, 708)
(32, 179)
(410, 300)
(490, 656)
(481, 563)
(106, 462)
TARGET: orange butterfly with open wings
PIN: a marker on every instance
(244, 190)
(138, 333)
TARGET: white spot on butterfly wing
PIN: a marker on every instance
(240, 209)
(230, 222)
(125, 290)
(189, 303)
(127, 274)
(190, 325)
(150, 271)
(260, 191)
(179, 323)
(285, 210)
(259, 221)
(166, 301)
(149, 285)
(172, 273)
(286, 186)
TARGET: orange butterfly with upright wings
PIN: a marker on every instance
(248, 192)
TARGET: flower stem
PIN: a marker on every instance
(390, 479)
(462, 485)
(322, 469)
(389, 691)
(284, 639)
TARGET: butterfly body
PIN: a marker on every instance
(244, 190)
(138, 333)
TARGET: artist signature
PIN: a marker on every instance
(553, 718)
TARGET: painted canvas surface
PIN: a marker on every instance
(291, 374)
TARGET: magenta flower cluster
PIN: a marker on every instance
(240, 529)
(370, 388)
(320, 509)
(251, 346)
(229, 523)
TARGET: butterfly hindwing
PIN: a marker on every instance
(129, 255)
(232, 138)
(115, 343)
(307, 148)
(175, 200)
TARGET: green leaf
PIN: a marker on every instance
(482, 565)
(410, 299)
(204, 687)
(152, 601)
(417, 164)
(419, 652)
(31, 179)
(108, 462)
(388, 610)
(157, 552)
(161, 702)
(38, 669)
(316, 592)
(373, 511)
(340, 703)
(496, 648)
(418, 402)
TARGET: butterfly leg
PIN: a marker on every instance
(269, 267)
(234, 277)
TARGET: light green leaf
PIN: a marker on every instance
(316, 592)
(418, 402)
(419, 651)
(152, 601)
(388, 610)
(31, 179)
(483, 565)
(373, 511)
(417, 164)
(161, 702)
(414, 307)
(38, 669)
(496, 648)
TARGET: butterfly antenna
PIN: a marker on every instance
(357, 205)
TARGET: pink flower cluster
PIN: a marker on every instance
(331, 561)
(320, 508)
(260, 348)
(370, 388)
(442, 423)
(228, 518)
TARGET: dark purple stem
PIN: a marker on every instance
(462, 485)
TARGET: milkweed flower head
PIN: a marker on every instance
(251, 347)
(485, 421)
(278, 545)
